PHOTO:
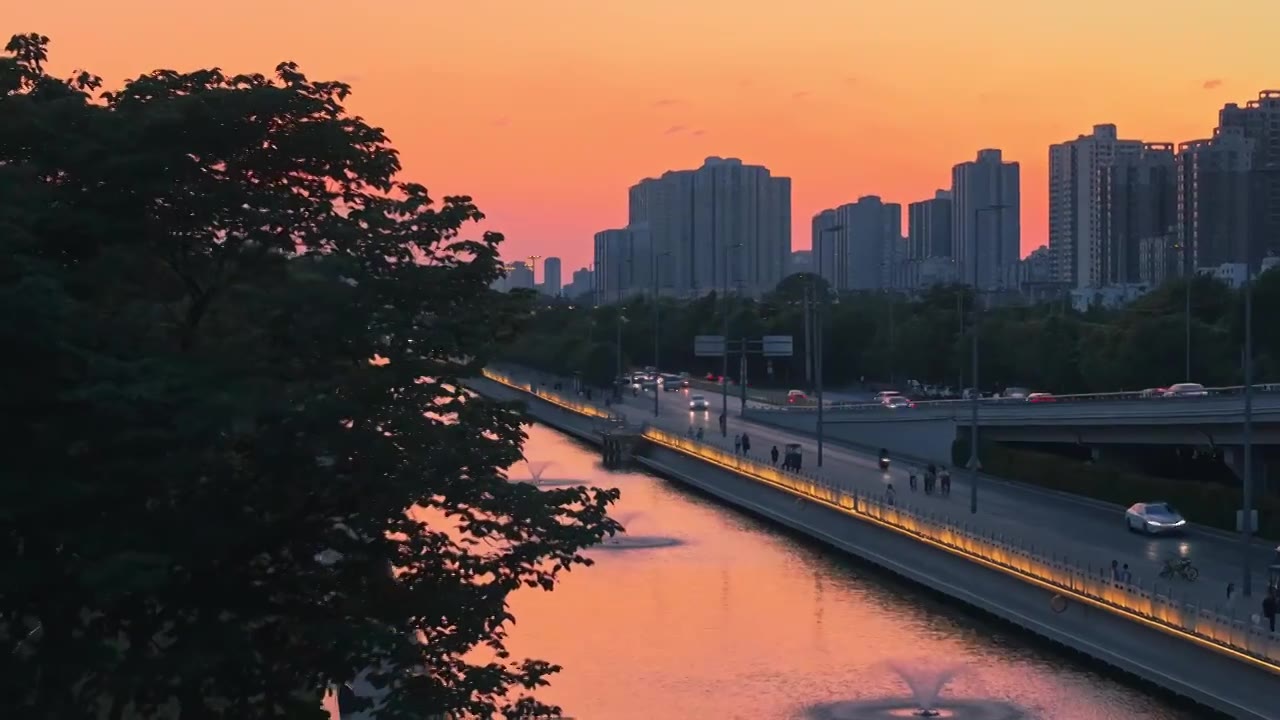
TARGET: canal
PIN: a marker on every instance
(742, 620)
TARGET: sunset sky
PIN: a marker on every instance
(546, 112)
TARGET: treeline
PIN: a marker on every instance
(890, 337)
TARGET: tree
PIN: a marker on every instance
(244, 469)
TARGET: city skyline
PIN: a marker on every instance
(589, 113)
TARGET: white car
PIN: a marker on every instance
(698, 403)
(1186, 390)
(1154, 518)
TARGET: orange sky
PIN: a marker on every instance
(547, 111)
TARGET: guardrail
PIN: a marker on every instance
(1269, 391)
(554, 398)
(1069, 578)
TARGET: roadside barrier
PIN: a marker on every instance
(1241, 637)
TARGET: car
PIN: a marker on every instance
(698, 403)
(1155, 392)
(895, 402)
(1186, 389)
(1041, 397)
(1015, 393)
(885, 394)
(671, 383)
(1154, 518)
(796, 396)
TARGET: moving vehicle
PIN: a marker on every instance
(698, 403)
(1041, 397)
(796, 396)
(884, 394)
(895, 402)
(1186, 389)
(1016, 393)
(671, 383)
(1154, 518)
(884, 459)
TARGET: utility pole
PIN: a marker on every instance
(976, 394)
(656, 333)
(724, 332)
(818, 333)
(1246, 504)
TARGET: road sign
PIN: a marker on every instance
(777, 345)
(708, 346)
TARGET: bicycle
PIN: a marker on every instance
(1179, 567)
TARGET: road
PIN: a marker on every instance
(1058, 526)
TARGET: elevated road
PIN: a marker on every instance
(1222, 405)
(1084, 531)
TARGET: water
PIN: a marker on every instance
(739, 620)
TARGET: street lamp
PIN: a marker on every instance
(657, 368)
(618, 292)
(974, 394)
(724, 370)
(819, 316)
(533, 269)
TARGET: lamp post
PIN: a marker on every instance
(1188, 274)
(618, 292)
(724, 370)
(1246, 504)
(657, 368)
(533, 270)
(819, 316)
(975, 394)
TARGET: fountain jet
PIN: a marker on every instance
(536, 468)
(925, 683)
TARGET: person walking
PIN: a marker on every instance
(773, 454)
(699, 433)
(1269, 609)
(737, 444)
(746, 444)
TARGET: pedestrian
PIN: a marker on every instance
(912, 481)
(889, 494)
(773, 454)
(1126, 577)
(1231, 598)
(699, 433)
(737, 444)
(746, 444)
(1115, 571)
(1269, 609)
(946, 482)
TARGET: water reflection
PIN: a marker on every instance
(741, 621)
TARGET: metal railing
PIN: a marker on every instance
(1160, 606)
(561, 400)
(1057, 401)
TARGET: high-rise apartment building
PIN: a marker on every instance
(929, 227)
(986, 219)
(623, 262)
(723, 225)
(551, 276)
(582, 284)
(857, 244)
(1076, 169)
(1138, 193)
(1259, 122)
(1214, 189)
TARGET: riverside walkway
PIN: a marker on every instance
(1047, 524)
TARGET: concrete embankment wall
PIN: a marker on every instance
(1203, 674)
(926, 440)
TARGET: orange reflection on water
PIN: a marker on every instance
(742, 621)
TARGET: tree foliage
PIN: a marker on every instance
(215, 505)
(887, 336)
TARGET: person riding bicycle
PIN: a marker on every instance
(884, 459)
